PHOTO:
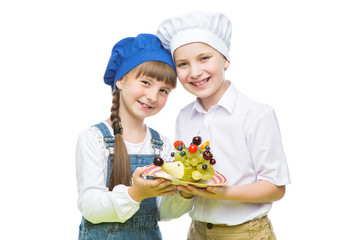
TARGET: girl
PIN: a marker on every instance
(114, 198)
(244, 134)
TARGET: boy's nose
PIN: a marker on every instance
(195, 71)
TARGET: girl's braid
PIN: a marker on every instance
(121, 172)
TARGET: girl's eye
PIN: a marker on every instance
(164, 91)
(145, 82)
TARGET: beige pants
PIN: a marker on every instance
(260, 229)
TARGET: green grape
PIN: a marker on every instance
(187, 162)
(201, 158)
(195, 154)
(196, 175)
(177, 156)
(194, 162)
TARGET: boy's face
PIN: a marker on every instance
(201, 71)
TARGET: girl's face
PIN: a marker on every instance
(142, 97)
(201, 71)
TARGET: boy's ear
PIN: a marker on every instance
(226, 64)
(119, 84)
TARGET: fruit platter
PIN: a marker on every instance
(156, 172)
(191, 165)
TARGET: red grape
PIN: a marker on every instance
(158, 161)
(197, 140)
(207, 155)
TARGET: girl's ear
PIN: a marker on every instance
(119, 84)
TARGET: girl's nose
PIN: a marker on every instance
(152, 94)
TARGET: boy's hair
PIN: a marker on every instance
(121, 172)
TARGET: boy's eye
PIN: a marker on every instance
(145, 82)
(204, 58)
(181, 64)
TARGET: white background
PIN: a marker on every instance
(300, 57)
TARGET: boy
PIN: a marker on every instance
(244, 134)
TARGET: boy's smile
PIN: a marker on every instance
(201, 71)
(201, 83)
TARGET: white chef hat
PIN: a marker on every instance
(213, 29)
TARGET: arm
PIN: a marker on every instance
(95, 201)
(265, 147)
(257, 192)
(174, 206)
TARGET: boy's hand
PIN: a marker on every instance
(258, 192)
(209, 192)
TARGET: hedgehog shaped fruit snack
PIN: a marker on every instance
(191, 163)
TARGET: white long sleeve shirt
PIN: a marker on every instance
(95, 201)
(245, 140)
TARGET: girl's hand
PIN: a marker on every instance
(209, 192)
(147, 188)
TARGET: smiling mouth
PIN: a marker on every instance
(144, 105)
(201, 82)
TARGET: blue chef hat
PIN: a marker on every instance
(130, 52)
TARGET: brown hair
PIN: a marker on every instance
(121, 171)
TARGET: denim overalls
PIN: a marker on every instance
(143, 224)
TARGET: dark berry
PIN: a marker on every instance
(183, 153)
(212, 161)
(207, 147)
(172, 154)
(158, 161)
(179, 148)
(204, 167)
(197, 140)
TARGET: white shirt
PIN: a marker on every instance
(245, 140)
(95, 201)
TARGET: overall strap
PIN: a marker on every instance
(109, 141)
(156, 142)
(108, 138)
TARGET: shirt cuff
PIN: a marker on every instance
(125, 190)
